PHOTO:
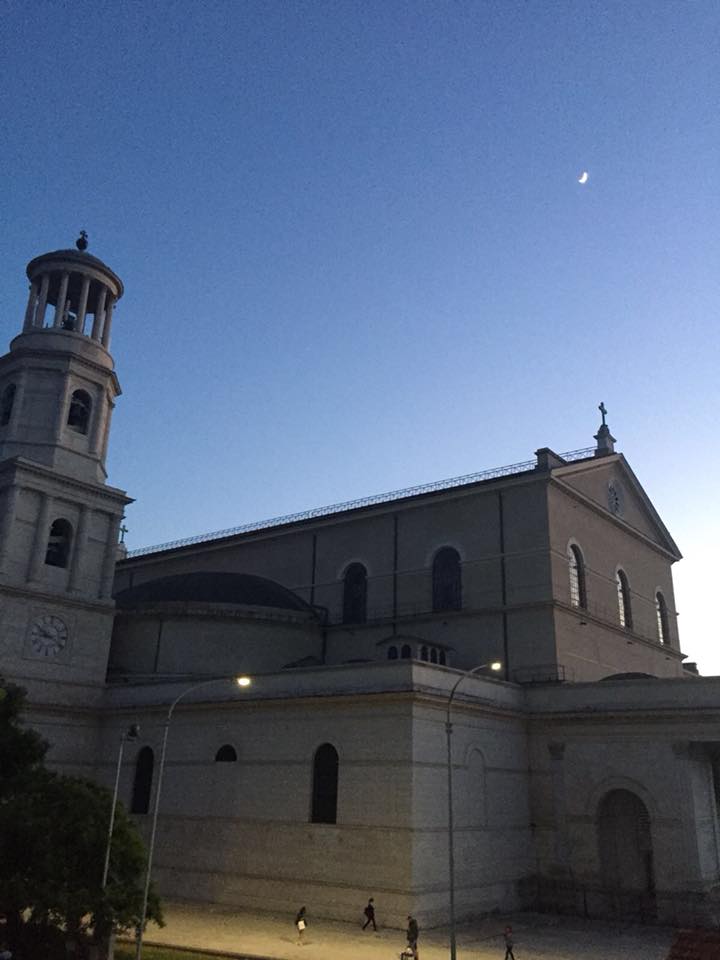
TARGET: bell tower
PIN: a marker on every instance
(59, 519)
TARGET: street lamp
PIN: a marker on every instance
(132, 733)
(241, 682)
(494, 665)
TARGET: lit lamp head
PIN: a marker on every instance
(243, 681)
(496, 665)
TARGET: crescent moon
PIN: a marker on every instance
(583, 178)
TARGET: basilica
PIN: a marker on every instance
(470, 689)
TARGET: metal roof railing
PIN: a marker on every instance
(525, 466)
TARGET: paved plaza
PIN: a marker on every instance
(537, 937)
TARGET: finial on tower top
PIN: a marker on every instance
(82, 241)
(605, 440)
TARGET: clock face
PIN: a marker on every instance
(48, 636)
(615, 497)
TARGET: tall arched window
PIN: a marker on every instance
(446, 580)
(624, 606)
(79, 412)
(355, 594)
(406, 652)
(576, 567)
(58, 547)
(142, 785)
(663, 631)
(226, 754)
(392, 653)
(6, 405)
(325, 784)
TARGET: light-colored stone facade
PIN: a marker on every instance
(585, 776)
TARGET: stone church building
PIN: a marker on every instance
(585, 772)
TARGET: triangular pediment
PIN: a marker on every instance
(611, 484)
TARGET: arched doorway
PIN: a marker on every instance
(626, 855)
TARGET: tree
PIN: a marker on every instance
(53, 832)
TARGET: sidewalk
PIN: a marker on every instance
(537, 937)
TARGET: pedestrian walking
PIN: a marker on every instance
(301, 923)
(413, 931)
(509, 955)
(370, 914)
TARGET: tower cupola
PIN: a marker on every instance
(70, 290)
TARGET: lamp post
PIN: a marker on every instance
(132, 733)
(494, 665)
(241, 682)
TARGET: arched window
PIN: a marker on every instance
(226, 754)
(424, 653)
(325, 784)
(576, 566)
(624, 606)
(79, 412)
(392, 653)
(142, 785)
(433, 655)
(406, 652)
(663, 631)
(355, 594)
(6, 405)
(441, 658)
(446, 580)
(58, 548)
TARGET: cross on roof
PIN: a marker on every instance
(603, 411)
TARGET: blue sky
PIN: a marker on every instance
(355, 250)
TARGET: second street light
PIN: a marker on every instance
(241, 681)
(132, 733)
(494, 665)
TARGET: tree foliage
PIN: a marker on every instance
(53, 835)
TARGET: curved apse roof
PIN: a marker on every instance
(242, 589)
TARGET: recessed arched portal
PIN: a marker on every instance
(626, 854)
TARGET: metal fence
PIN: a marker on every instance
(494, 473)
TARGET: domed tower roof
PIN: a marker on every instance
(76, 261)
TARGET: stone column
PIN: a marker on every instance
(40, 540)
(82, 304)
(20, 385)
(107, 324)
(108, 567)
(6, 522)
(99, 311)
(98, 416)
(557, 773)
(62, 296)
(62, 411)
(42, 302)
(31, 305)
(79, 544)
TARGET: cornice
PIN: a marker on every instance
(18, 466)
(65, 599)
(23, 353)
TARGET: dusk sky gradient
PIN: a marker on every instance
(356, 254)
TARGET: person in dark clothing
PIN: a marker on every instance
(370, 914)
(509, 955)
(301, 923)
(413, 932)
